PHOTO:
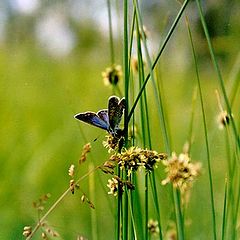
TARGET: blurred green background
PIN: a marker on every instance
(52, 54)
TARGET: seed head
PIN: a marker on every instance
(134, 157)
(27, 230)
(112, 75)
(44, 235)
(153, 227)
(86, 149)
(223, 119)
(72, 186)
(71, 171)
(112, 143)
(39, 204)
(114, 184)
(180, 171)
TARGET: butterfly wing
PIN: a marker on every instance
(103, 114)
(115, 111)
(92, 119)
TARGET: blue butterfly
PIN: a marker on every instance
(107, 119)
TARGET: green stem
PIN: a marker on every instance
(110, 32)
(146, 206)
(92, 192)
(190, 134)
(126, 71)
(144, 107)
(141, 79)
(132, 217)
(217, 69)
(179, 217)
(158, 56)
(131, 40)
(155, 199)
(224, 209)
(126, 81)
(236, 213)
(234, 77)
(206, 136)
(125, 207)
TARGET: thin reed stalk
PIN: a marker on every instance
(162, 47)
(206, 136)
(224, 209)
(92, 191)
(111, 42)
(156, 203)
(219, 75)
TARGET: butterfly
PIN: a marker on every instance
(107, 119)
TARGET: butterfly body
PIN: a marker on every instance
(107, 119)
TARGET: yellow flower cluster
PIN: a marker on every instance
(112, 142)
(116, 186)
(180, 171)
(133, 158)
(113, 186)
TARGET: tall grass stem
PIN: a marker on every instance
(217, 69)
(110, 33)
(205, 134)
(163, 45)
(224, 209)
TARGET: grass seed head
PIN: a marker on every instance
(86, 150)
(180, 171)
(223, 119)
(44, 235)
(112, 75)
(71, 171)
(153, 227)
(112, 143)
(115, 185)
(72, 186)
(27, 231)
(134, 157)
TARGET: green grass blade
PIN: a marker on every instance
(156, 202)
(235, 219)
(131, 40)
(146, 206)
(178, 213)
(92, 191)
(137, 209)
(234, 80)
(169, 34)
(224, 209)
(119, 211)
(155, 88)
(110, 32)
(220, 79)
(126, 67)
(190, 134)
(132, 217)
(206, 136)
(143, 101)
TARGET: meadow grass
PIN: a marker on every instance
(154, 192)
